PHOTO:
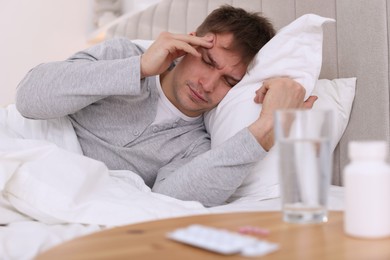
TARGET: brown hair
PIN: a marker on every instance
(250, 30)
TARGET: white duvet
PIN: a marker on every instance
(52, 193)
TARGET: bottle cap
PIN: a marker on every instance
(367, 150)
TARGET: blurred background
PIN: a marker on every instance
(38, 31)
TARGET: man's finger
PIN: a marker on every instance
(310, 102)
(260, 94)
(205, 41)
(181, 46)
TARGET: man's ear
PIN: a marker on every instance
(192, 33)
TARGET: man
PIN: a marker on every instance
(136, 110)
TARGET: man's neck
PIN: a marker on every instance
(165, 81)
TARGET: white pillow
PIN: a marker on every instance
(262, 183)
(295, 51)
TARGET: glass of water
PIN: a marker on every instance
(303, 140)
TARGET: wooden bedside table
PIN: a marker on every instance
(148, 240)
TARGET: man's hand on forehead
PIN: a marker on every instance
(167, 48)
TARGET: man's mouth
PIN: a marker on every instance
(195, 95)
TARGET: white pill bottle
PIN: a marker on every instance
(367, 190)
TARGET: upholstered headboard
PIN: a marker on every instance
(357, 45)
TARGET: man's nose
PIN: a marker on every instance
(209, 81)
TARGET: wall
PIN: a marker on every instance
(39, 31)
(33, 32)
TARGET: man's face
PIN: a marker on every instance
(198, 84)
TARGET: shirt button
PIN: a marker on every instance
(136, 132)
(174, 125)
(155, 129)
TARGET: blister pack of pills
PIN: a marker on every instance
(222, 241)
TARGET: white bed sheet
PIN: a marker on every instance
(52, 193)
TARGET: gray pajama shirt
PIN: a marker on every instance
(112, 112)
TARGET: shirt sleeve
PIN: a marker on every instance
(56, 89)
(213, 176)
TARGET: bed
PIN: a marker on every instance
(38, 210)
